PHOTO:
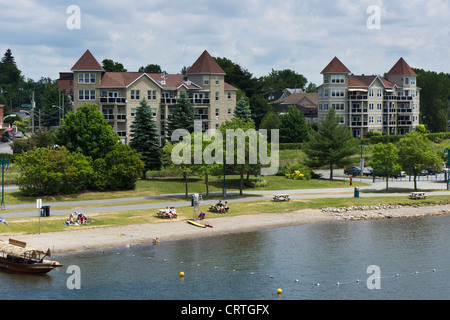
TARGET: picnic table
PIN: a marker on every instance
(417, 195)
(278, 197)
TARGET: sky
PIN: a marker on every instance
(369, 36)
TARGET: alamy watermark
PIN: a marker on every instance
(374, 280)
(74, 20)
(374, 20)
(253, 152)
(74, 280)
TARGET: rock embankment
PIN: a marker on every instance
(381, 211)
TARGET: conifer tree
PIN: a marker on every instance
(182, 116)
(242, 110)
(145, 137)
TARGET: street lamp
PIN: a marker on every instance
(447, 174)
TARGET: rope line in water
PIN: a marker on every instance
(197, 266)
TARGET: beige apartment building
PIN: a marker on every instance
(118, 94)
(369, 103)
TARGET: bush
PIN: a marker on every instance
(298, 171)
(258, 183)
(119, 169)
(48, 171)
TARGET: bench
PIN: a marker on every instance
(162, 213)
(279, 197)
(417, 195)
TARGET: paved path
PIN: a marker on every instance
(119, 204)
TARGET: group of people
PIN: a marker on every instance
(81, 219)
(171, 212)
(221, 207)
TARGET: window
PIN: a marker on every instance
(325, 106)
(135, 94)
(371, 119)
(206, 80)
(153, 110)
(325, 79)
(217, 80)
(378, 119)
(338, 106)
(86, 78)
(370, 106)
(229, 111)
(378, 106)
(229, 95)
(379, 92)
(337, 92)
(151, 95)
(371, 92)
(133, 112)
(413, 80)
(217, 95)
(86, 94)
(217, 112)
(325, 93)
(406, 80)
(338, 78)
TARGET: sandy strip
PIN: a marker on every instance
(81, 239)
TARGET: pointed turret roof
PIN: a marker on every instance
(205, 64)
(335, 66)
(401, 68)
(87, 62)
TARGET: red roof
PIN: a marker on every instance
(87, 62)
(205, 64)
(335, 66)
(401, 68)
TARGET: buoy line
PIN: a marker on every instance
(196, 266)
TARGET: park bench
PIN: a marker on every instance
(279, 197)
(417, 195)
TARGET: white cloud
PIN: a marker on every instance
(257, 34)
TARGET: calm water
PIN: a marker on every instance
(253, 265)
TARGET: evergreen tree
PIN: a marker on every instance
(182, 116)
(331, 144)
(242, 110)
(293, 127)
(145, 137)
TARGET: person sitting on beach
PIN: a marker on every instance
(81, 218)
(201, 215)
(167, 211)
(225, 207)
(70, 222)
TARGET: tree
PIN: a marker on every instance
(119, 169)
(331, 144)
(48, 171)
(385, 159)
(416, 154)
(278, 80)
(151, 68)
(242, 110)
(183, 168)
(182, 115)
(293, 127)
(145, 137)
(86, 131)
(241, 161)
(271, 121)
(259, 107)
(111, 66)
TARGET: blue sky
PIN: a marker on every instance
(260, 35)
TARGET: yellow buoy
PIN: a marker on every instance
(279, 291)
(181, 274)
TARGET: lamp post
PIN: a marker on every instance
(363, 144)
(5, 164)
(447, 174)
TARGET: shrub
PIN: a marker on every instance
(298, 171)
(53, 171)
(119, 169)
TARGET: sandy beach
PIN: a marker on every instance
(81, 238)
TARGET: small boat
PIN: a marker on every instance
(196, 224)
(16, 257)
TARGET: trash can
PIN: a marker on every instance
(45, 211)
(356, 192)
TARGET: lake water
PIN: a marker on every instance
(306, 262)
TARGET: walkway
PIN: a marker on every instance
(119, 204)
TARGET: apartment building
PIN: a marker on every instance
(369, 103)
(118, 94)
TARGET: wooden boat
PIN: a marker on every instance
(196, 224)
(16, 257)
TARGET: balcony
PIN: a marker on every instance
(200, 101)
(356, 123)
(119, 117)
(113, 100)
(168, 100)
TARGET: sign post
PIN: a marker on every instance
(39, 206)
